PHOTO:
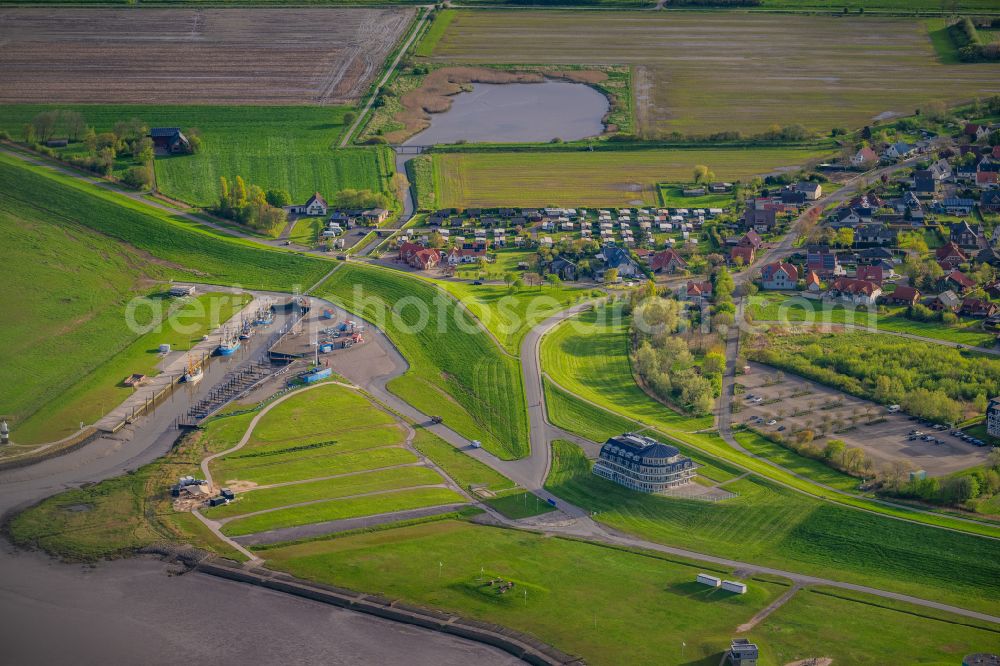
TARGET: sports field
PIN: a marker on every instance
(704, 72)
(194, 56)
(613, 178)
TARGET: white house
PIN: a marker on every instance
(315, 207)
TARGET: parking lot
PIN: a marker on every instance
(795, 403)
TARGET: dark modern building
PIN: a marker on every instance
(643, 464)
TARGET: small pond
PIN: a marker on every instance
(518, 113)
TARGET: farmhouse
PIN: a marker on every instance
(170, 139)
(315, 207)
(779, 275)
(644, 464)
(418, 256)
(978, 308)
(813, 191)
(958, 281)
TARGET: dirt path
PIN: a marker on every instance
(774, 605)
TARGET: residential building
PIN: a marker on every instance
(644, 464)
(978, 308)
(315, 207)
(824, 261)
(563, 267)
(864, 157)
(667, 261)
(899, 150)
(779, 275)
(956, 206)
(950, 255)
(813, 191)
(619, 259)
(761, 220)
(924, 183)
(859, 292)
(743, 255)
(945, 301)
(988, 255)
(990, 201)
(698, 292)
(869, 235)
(903, 295)
(993, 418)
(958, 281)
(792, 197)
(963, 235)
(813, 283)
(872, 273)
(751, 239)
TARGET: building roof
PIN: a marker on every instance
(316, 198)
(961, 279)
(157, 132)
(664, 258)
(642, 449)
(949, 249)
(905, 293)
(771, 269)
(855, 286)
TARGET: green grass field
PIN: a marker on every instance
(777, 307)
(663, 605)
(446, 565)
(587, 356)
(313, 491)
(771, 68)
(100, 389)
(611, 178)
(456, 370)
(465, 470)
(578, 417)
(182, 248)
(340, 509)
(813, 469)
(877, 631)
(509, 316)
(289, 148)
(767, 524)
(673, 197)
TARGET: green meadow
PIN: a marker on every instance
(289, 148)
(456, 369)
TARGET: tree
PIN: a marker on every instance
(509, 278)
(553, 279)
(834, 450)
(74, 123)
(44, 124)
(436, 240)
(845, 237)
(702, 174)
(278, 198)
(611, 275)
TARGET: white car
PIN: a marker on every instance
(476, 444)
(771, 422)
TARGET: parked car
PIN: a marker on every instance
(477, 282)
(781, 428)
(771, 422)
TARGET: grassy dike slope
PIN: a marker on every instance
(773, 526)
(183, 249)
(456, 369)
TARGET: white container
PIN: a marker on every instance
(705, 579)
(165, 348)
(733, 586)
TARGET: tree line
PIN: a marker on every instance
(252, 206)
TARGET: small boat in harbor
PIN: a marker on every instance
(246, 330)
(193, 373)
(229, 344)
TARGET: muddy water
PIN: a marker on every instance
(518, 113)
(133, 612)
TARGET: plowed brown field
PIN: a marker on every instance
(206, 56)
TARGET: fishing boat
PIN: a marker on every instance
(229, 343)
(264, 317)
(193, 373)
(246, 330)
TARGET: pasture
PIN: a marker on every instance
(601, 178)
(275, 147)
(181, 248)
(774, 69)
(456, 369)
(195, 56)
(771, 525)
